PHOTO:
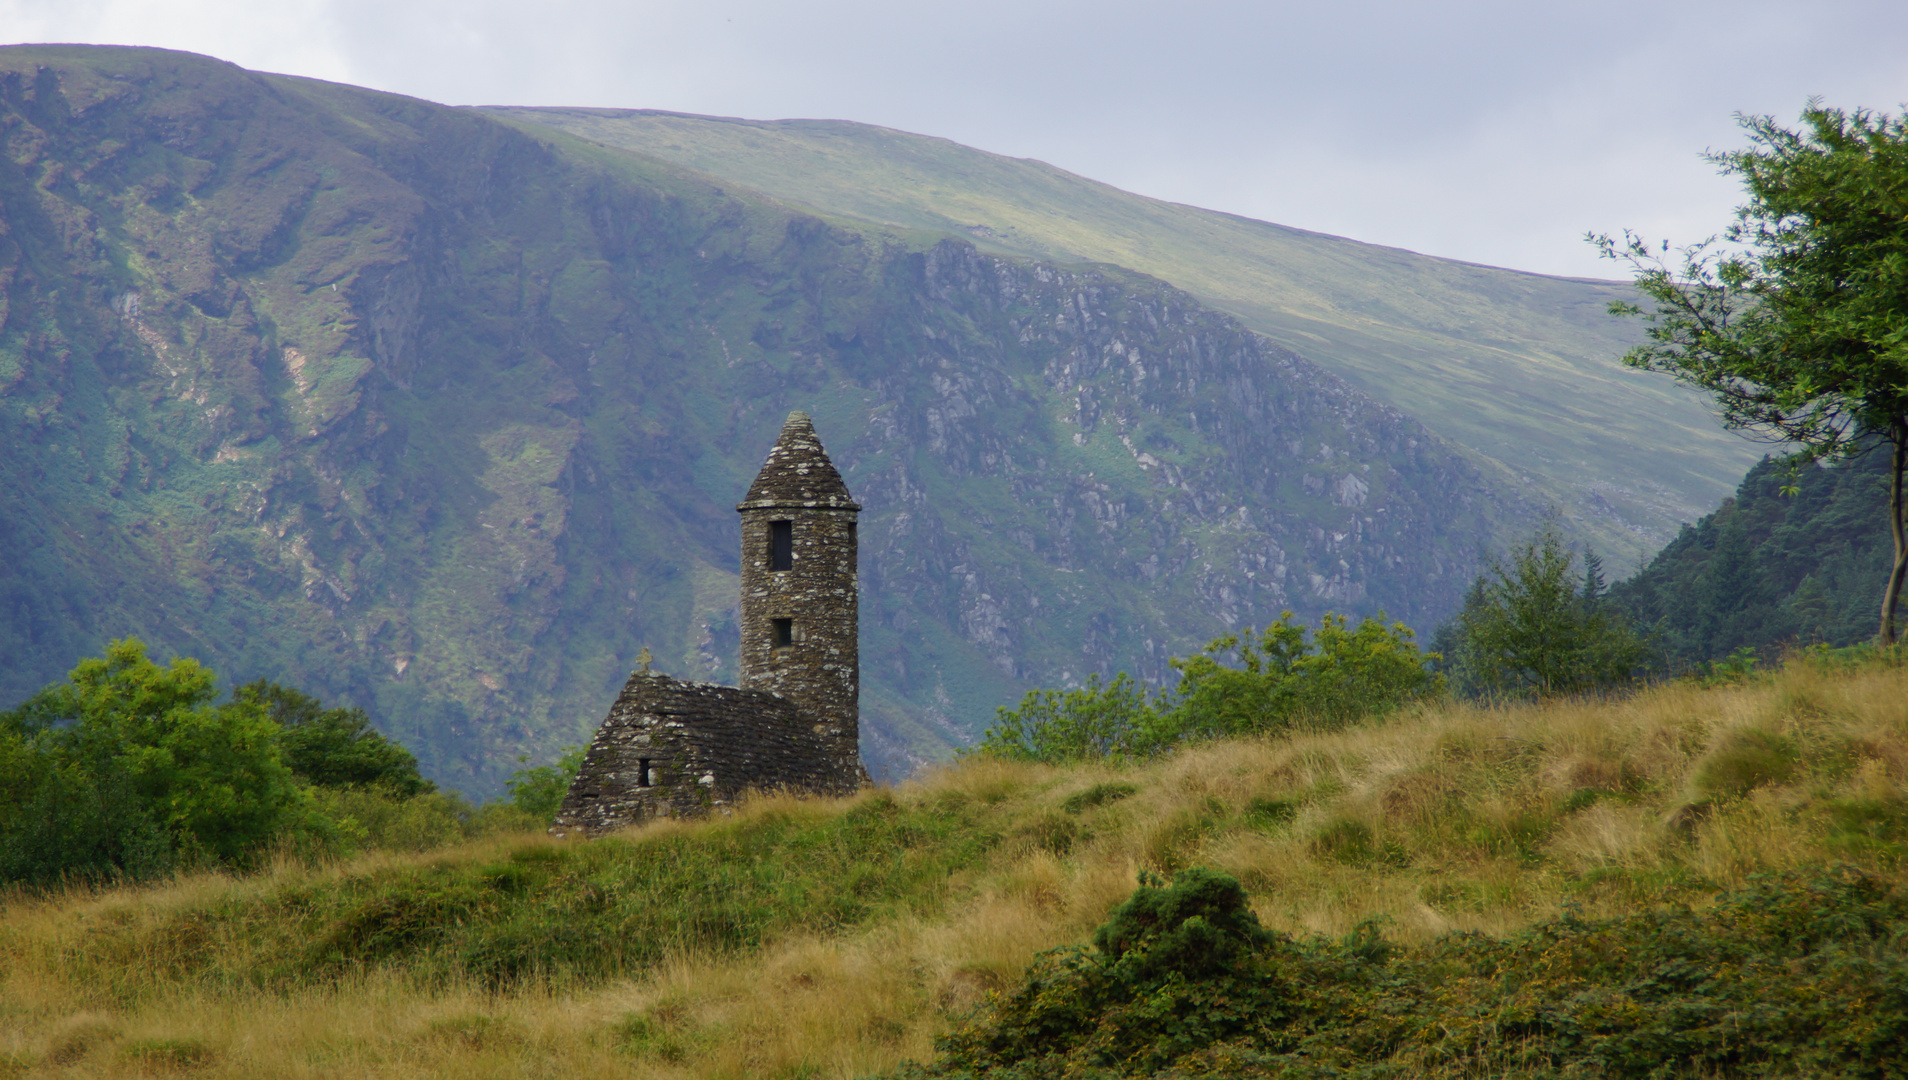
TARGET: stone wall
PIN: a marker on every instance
(702, 746)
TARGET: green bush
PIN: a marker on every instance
(334, 748)
(377, 819)
(537, 792)
(130, 770)
(1240, 684)
(1280, 678)
(1532, 626)
(1095, 721)
(177, 778)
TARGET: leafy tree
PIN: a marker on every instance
(1098, 720)
(538, 791)
(1528, 628)
(126, 756)
(1239, 684)
(1340, 676)
(334, 747)
(1799, 332)
(63, 817)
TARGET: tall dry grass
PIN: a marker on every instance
(1453, 817)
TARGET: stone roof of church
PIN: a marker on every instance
(798, 473)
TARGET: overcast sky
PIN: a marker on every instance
(1497, 132)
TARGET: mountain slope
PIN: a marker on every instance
(446, 417)
(1519, 367)
(1769, 570)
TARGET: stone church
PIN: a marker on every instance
(676, 749)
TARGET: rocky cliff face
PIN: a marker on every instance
(448, 418)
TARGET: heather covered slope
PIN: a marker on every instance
(1519, 367)
(446, 417)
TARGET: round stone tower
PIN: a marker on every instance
(799, 597)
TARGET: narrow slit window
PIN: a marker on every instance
(851, 532)
(644, 776)
(781, 545)
(782, 632)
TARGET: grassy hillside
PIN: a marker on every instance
(812, 939)
(1519, 367)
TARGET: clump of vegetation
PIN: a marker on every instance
(1240, 684)
(333, 748)
(1536, 625)
(134, 771)
(1795, 974)
(129, 768)
(1097, 795)
(538, 790)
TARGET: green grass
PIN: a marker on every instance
(556, 914)
(1518, 367)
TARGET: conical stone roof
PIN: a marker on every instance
(798, 473)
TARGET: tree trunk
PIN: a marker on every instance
(1897, 434)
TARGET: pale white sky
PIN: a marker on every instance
(1497, 132)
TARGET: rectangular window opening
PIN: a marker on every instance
(851, 532)
(781, 545)
(782, 632)
(644, 777)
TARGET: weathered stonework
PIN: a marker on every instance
(675, 749)
(816, 662)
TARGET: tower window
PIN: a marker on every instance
(781, 632)
(645, 777)
(781, 545)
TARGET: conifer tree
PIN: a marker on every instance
(1529, 627)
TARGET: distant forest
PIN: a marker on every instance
(1768, 571)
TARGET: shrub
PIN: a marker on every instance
(1280, 678)
(1240, 684)
(164, 761)
(130, 770)
(1095, 721)
(334, 748)
(1531, 626)
(538, 791)
(377, 818)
